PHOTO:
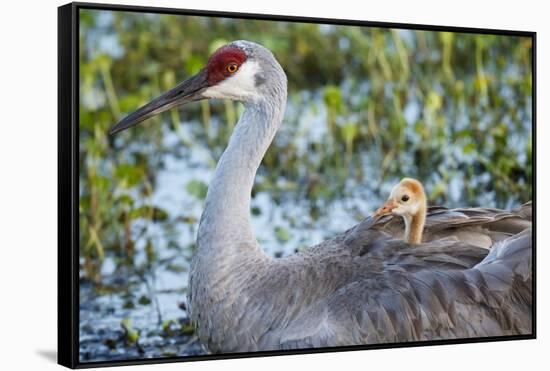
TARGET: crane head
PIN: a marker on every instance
(406, 199)
(237, 71)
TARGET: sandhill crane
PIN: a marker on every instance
(470, 277)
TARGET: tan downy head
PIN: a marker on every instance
(408, 200)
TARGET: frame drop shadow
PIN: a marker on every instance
(50, 355)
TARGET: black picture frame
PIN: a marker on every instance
(68, 187)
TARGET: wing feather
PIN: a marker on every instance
(444, 297)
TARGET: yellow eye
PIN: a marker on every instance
(232, 67)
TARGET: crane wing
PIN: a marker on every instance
(492, 298)
(475, 226)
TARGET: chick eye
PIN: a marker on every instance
(232, 67)
(405, 198)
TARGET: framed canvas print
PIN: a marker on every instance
(236, 185)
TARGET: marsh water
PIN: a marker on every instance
(367, 106)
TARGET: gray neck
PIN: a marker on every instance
(225, 223)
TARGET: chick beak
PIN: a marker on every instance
(387, 208)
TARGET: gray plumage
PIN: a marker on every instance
(470, 276)
(366, 287)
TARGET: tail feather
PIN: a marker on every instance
(513, 253)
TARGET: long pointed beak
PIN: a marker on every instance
(387, 208)
(189, 90)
